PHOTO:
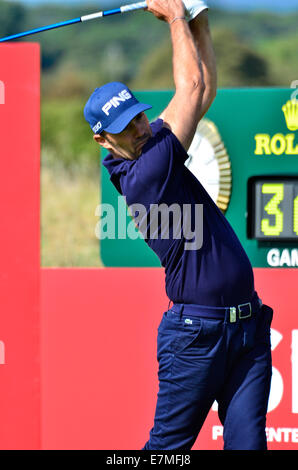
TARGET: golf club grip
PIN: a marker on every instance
(133, 6)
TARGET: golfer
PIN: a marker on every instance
(214, 342)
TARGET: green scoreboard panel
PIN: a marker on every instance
(245, 153)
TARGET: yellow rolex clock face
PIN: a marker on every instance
(210, 164)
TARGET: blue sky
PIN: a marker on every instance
(273, 5)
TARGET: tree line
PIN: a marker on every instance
(252, 49)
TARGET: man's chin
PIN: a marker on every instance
(128, 156)
(136, 155)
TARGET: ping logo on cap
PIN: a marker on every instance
(123, 96)
(111, 108)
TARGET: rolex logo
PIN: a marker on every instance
(290, 110)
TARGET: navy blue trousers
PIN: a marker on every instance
(202, 360)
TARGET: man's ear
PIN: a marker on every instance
(100, 140)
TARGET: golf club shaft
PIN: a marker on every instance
(100, 14)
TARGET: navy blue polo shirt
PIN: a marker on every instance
(218, 273)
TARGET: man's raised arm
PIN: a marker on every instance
(185, 109)
(200, 29)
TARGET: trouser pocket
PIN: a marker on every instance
(177, 333)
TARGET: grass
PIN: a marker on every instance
(68, 202)
(70, 186)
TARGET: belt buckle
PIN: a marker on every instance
(241, 315)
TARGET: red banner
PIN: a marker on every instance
(19, 246)
(99, 358)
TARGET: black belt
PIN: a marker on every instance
(239, 312)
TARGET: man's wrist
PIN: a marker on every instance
(177, 18)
